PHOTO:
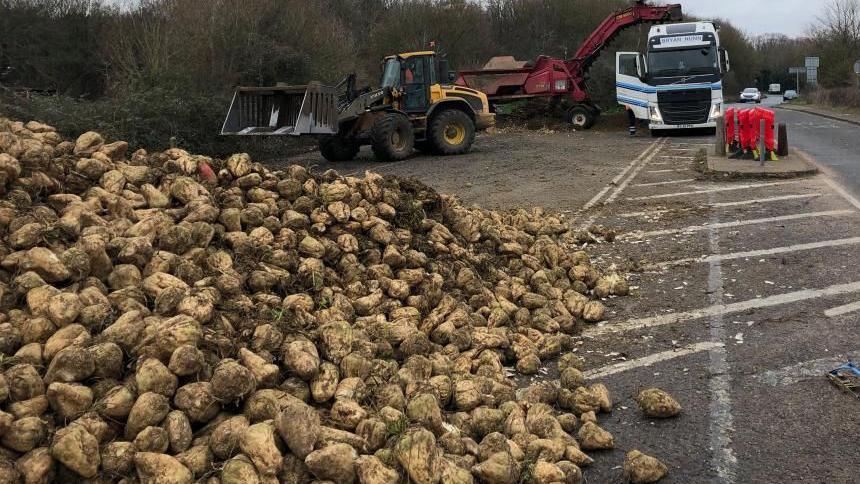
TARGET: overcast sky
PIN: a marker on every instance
(789, 17)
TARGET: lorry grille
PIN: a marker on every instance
(690, 106)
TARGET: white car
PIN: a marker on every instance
(751, 94)
(789, 95)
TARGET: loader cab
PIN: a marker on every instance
(412, 74)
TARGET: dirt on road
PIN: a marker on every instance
(510, 167)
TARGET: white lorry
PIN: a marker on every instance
(774, 89)
(677, 83)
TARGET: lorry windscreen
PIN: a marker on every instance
(683, 62)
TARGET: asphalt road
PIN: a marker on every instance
(835, 145)
(743, 303)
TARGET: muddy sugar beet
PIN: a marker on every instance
(167, 318)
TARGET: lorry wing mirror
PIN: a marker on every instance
(724, 60)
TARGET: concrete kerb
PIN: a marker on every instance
(795, 166)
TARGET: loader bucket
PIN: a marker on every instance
(282, 110)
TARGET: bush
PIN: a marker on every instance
(153, 119)
(842, 97)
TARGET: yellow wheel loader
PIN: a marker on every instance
(411, 109)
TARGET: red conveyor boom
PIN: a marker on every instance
(549, 77)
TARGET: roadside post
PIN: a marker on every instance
(782, 144)
(797, 71)
(720, 146)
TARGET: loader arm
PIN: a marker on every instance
(613, 25)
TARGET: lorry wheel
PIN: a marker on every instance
(392, 138)
(580, 117)
(335, 148)
(451, 132)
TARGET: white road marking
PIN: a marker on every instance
(760, 253)
(721, 425)
(806, 370)
(738, 307)
(671, 182)
(766, 200)
(713, 190)
(840, 310)
(671, 170)
(842, 192)
(648, 213)
(739, 223)
(618, 178)
(650, 360)
(672, 157)
(620, 188)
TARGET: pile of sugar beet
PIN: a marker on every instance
(172, 318)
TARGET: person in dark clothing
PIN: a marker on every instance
(631, 120)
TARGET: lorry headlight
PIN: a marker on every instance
(655, 114)
(716, 110)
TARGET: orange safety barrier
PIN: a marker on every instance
(744, 128)
(754, 121)
(769, 122)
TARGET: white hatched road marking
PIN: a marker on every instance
(766, 200)
(712, 190)
(721, 423)
(759, 253)
(671, 170)
(739, 223)
(840, 310)
(671, 182)
(618, 177)
(648, 213)
(620, 188)
(650, 360)
(738, 307)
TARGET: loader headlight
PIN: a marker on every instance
(655, 114)
(716, 110)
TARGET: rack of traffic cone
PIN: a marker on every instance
(745, 130)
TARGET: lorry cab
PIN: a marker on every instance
(677, 83)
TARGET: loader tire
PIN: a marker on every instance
(392, 138)
(451, 132)
(335, 148)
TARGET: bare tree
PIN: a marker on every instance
(837, 40)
